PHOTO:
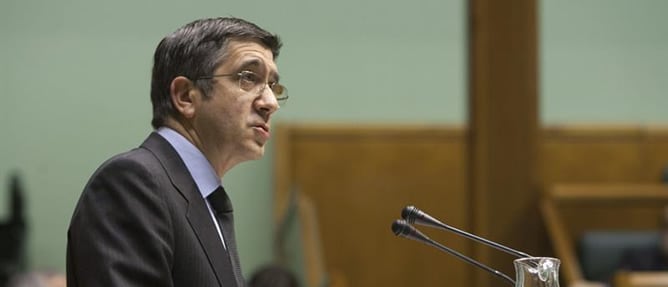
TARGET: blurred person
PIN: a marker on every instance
(13, 232)
(158, 215)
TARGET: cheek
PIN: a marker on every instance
(240, 109)
(232, 116)
(232, 109)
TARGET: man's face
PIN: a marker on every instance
(233, 124)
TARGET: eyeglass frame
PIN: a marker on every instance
(283, 97)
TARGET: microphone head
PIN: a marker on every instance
(409, 213)
(400, 227)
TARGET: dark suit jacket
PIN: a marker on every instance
(141, 221)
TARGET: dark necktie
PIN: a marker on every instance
(222, 206)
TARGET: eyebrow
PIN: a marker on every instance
(257, 63)
(251, 63)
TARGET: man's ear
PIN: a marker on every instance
(182, 92)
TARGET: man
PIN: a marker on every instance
(158, 215)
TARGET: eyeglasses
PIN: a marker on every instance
(251, 82)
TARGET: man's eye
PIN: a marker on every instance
(249, 77)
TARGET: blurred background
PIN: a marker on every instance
(377, 90)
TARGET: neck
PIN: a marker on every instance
(217, 158)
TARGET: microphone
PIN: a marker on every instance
(414, 215)
(402, 228)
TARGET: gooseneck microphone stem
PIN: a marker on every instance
(414, 215)
(404, 229)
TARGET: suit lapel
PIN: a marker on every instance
(198, 213)
(210, 240)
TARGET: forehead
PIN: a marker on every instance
(248, 54)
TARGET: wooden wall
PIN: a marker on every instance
(360, 177)
(604, 154)
(503, 119)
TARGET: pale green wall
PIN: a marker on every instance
(604, 61)
(74, 82)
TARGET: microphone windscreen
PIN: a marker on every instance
(399, 227)
(408, 213)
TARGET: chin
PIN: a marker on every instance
(256, 153)
(251, 150)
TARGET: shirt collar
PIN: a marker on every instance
(200, 168)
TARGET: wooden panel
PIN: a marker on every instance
(610, 206)
(561, 242)
(503, 122)
(592, 154)
(608, 194)
(359, 180)
(655, 155)
(605, 154)
(641, 279)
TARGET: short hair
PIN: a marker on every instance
(196, 50)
